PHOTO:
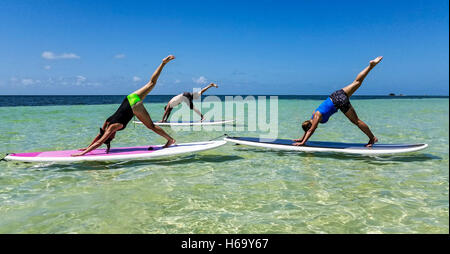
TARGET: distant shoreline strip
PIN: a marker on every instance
(58, 100)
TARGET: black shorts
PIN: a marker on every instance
(190, 97)
(341, 101)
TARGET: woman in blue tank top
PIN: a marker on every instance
(339, 100)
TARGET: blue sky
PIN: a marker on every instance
(253, 47)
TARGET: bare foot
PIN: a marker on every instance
(214, 85)
(76, 154)
(372, 141)
(169, 143)
(297, 140)
(298, 144)
(376, 61)
(168, 59)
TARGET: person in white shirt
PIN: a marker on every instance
(186, 97)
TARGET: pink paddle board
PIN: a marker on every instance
(119, 153)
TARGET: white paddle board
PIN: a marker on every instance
(189, 123)
(318, 146)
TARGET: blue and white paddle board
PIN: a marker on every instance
(318, 146)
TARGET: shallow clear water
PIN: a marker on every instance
(232, 189)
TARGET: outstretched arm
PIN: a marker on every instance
(96, 138)
(111, 129)
(166, 114)
(197, 111)
(93, 141)
(300, 139)
(310, 132)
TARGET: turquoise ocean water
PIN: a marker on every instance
(232, 189)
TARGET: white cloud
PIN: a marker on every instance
(52, 56)
(177, 81)
(201, 80)
(119, 56)
(80, 80)
(47, 67)
(29, 81)
(48, 55)
(136, 79)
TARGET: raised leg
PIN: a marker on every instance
(350, 89)
(353, 117)
(143, 91)
(208, 87)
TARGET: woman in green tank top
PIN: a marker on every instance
(131, 106)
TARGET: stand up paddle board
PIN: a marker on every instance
(190, 123)
(119, 153)
(317, 146)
